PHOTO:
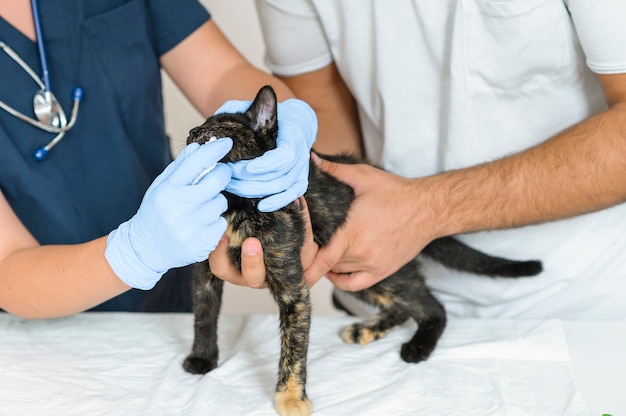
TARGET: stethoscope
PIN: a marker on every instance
(49, 113)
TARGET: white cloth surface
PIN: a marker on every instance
(130, 364)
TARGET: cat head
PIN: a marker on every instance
(253, 132)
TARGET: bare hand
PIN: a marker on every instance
(252, 262)
(382, 233)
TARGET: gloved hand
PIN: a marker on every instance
(178, 223)
(281, 175)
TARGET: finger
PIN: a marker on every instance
(252, 263)
(169, 169)
(234, 106)
(273, 160)
(275, 202)
(310, 247)
(348, 174)
(184, 154)
(210, 184)
(212, 210)
(210, 238)
(252, 180)
(326, 259)
(206, 156)
(222, 266)
(287, 185)
(351, 282)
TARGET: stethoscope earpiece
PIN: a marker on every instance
(40, 153)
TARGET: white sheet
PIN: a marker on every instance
(130, 364)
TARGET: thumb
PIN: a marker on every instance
(327, 257)
(346, 173)
(169, 169)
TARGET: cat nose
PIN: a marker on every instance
(200, 135)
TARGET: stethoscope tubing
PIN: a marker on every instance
(77, 95)
(13, 55)
(44, 85)
(45, 73)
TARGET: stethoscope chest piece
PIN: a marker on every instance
(48, 110)
(49, 114)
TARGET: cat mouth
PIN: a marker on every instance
(200, 135)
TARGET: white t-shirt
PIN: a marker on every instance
(444, 84)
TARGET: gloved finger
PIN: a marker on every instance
(184, 154)
(298, 111)
(259, 186)
(257, 189)
(211, 184)
(206, 156)
(212, 210)
(279, 159)
(234, 106)
(280, 200)
(242, 173)
(211, 237)
(187, 150)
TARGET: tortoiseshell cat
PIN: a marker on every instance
(401, 296)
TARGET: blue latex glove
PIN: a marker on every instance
(281, 175)
(178, 223)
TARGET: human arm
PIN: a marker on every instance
(329, 96)
(577, 171)
(209, 71)
(66, 278)
(178, 223)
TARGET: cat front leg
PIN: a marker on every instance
(295, 319)
(207, 300)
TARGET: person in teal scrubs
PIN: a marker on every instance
(79, 230)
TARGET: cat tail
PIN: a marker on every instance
(456, 255)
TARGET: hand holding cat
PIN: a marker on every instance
(384, 230)
(252, 264)
(280, 176)
(178, 223)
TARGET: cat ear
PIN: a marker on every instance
(262, 111)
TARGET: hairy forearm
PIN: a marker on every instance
(51, 281)
(339, 130)
(578, 171)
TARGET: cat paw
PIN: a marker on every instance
(360, 334)
(196, 365)
(291, 406)
(414, 353)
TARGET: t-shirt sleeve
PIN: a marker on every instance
(294, 37)
(601, 27)
(173, 21)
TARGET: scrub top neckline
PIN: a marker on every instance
(16, 33)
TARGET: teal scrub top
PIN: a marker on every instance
(95, 178)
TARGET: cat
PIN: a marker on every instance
(401, 296)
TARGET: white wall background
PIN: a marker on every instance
(238, 20)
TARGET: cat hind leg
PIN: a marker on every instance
(373, 329)
(376, 327)
(430, 316)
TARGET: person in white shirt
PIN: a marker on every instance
(502, 122)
